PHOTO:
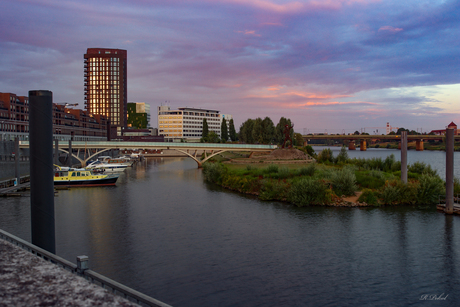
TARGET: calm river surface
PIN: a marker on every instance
(165, 232)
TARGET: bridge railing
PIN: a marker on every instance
(121, 144)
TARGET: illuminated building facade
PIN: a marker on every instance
(187, 123)
(106, 90)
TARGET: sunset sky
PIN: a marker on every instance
(328, 65)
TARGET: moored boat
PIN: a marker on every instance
(106, 167)
(120, 160)
(83, 178)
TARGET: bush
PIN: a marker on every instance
(396, 166)
(284, 173)
(388, 163)
(422, 168)
(213, 172)
(369, 197)
(272, 168)
(308, 170)
(397, 192)
(429, 189)
(456, 186)
(308, 150)
(273, 190)
(326, 155)
(344, 182)
(308, 191)
(372, 179)
(342, 157)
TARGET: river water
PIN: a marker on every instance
(166, 233)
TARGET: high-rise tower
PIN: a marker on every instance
(106, 90)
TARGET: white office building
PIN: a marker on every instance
(187, 123)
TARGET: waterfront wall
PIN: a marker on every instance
(7, 166)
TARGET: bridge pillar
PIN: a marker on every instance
(305, 143)
(419, 145)
(352, 145)
(399, 145)
(362, 144)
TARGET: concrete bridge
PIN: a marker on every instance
(190, 149)
(419, 139)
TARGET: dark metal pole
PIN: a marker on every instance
(41, 169)
(16, 161)
(449, 171)
(70, 154)
(404, 156)
(56, 151)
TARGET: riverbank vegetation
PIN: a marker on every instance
(331, 180)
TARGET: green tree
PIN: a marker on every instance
(298, 139)
(257, 131)
(205, 129)
(232, 131)
(268, 131)
(245, 133)
(212, 138)
(224, 131)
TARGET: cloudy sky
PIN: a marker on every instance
(328, 65)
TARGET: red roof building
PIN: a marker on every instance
(442, 132)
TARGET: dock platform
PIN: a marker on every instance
(442, 207)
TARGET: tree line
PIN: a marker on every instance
(252, 131)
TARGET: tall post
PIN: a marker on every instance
(16, 161)
(449, 171)
(56, 151)
(69, 163)
(41, 169)
(404, 156)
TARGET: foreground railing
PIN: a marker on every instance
(81, 270)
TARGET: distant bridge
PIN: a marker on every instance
(419, 139)
(190, 149)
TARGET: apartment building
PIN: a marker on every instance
(67, 123)
(105, 84)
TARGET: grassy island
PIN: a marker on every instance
(333, 181)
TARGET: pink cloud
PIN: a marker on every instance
(390, 29)
(331, 103)
(249, 32)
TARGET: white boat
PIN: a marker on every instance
(106, 167)
(119, 160)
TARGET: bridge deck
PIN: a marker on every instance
(162, 145)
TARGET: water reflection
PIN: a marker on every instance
(165, 232)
